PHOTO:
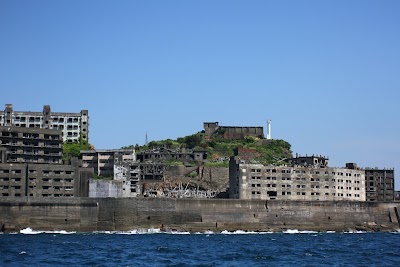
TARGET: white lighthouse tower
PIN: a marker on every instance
(268, 129)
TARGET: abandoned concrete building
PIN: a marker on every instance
(31, 165)
(302, 178)
(313, 160)
(130, 177)
(232, 132)
(102, 160)
(44, 180)
(257, 181)
(23, 145)
(379, 184)
(72, 125)
(164, 154)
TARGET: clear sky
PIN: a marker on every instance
(327, 73)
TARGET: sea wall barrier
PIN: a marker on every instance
(124, 214)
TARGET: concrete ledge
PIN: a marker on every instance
(122, 214)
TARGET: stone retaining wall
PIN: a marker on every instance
(123, 214)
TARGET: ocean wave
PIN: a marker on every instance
(355, 232)
(141, 231)
(241, 232)
(29, 231)
(295, 231)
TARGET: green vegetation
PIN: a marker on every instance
(269, 151)
(174, 163)
(95, 176)
(71, 150)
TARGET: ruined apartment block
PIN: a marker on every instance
(164, 154)
(102, 160)
(44, 180)
(23, 145)
(257, 181)
(132, 177)
(379, 184)
(232, 132)
(72, 125)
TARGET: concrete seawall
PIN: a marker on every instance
(122, 214)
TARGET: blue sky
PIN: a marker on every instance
(327, 73)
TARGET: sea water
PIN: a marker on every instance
(240, 248)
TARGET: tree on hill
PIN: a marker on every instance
(270, 151)
(71, 150)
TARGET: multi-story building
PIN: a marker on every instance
(313, 160)
(232, 132)
(296, 182)
(102, 160)
(44, 180)
(72, 125)
(379, 184)
(164, 155)
(22, 145)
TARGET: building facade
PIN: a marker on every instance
(232, 132)
(44, 180)
(163, 155)
(379, 184)
(102, 160)
(73, 126)
(257, 181)
(23, 145)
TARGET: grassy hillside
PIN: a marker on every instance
(271, 151)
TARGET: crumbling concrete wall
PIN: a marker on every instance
(90, 214)
(70, 214)
(105, 188)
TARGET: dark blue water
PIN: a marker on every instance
(279, 249)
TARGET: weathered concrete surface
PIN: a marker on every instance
(105, 188)
(70, 214)
(122, 214)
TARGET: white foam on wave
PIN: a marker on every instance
(139, 231)
(178, 233)
(295, 231)
(355, 232)
(29, 231)
(241, 232)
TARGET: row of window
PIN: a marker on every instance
(34, 180)
(46, 187)
(288, 193)
(10, 171)
(57, 172)
(56, 180)
(303, 172)
(35, 171)
(8, 179)
(304, 186)
(304, 179)
(14, 187)
(40, 118)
